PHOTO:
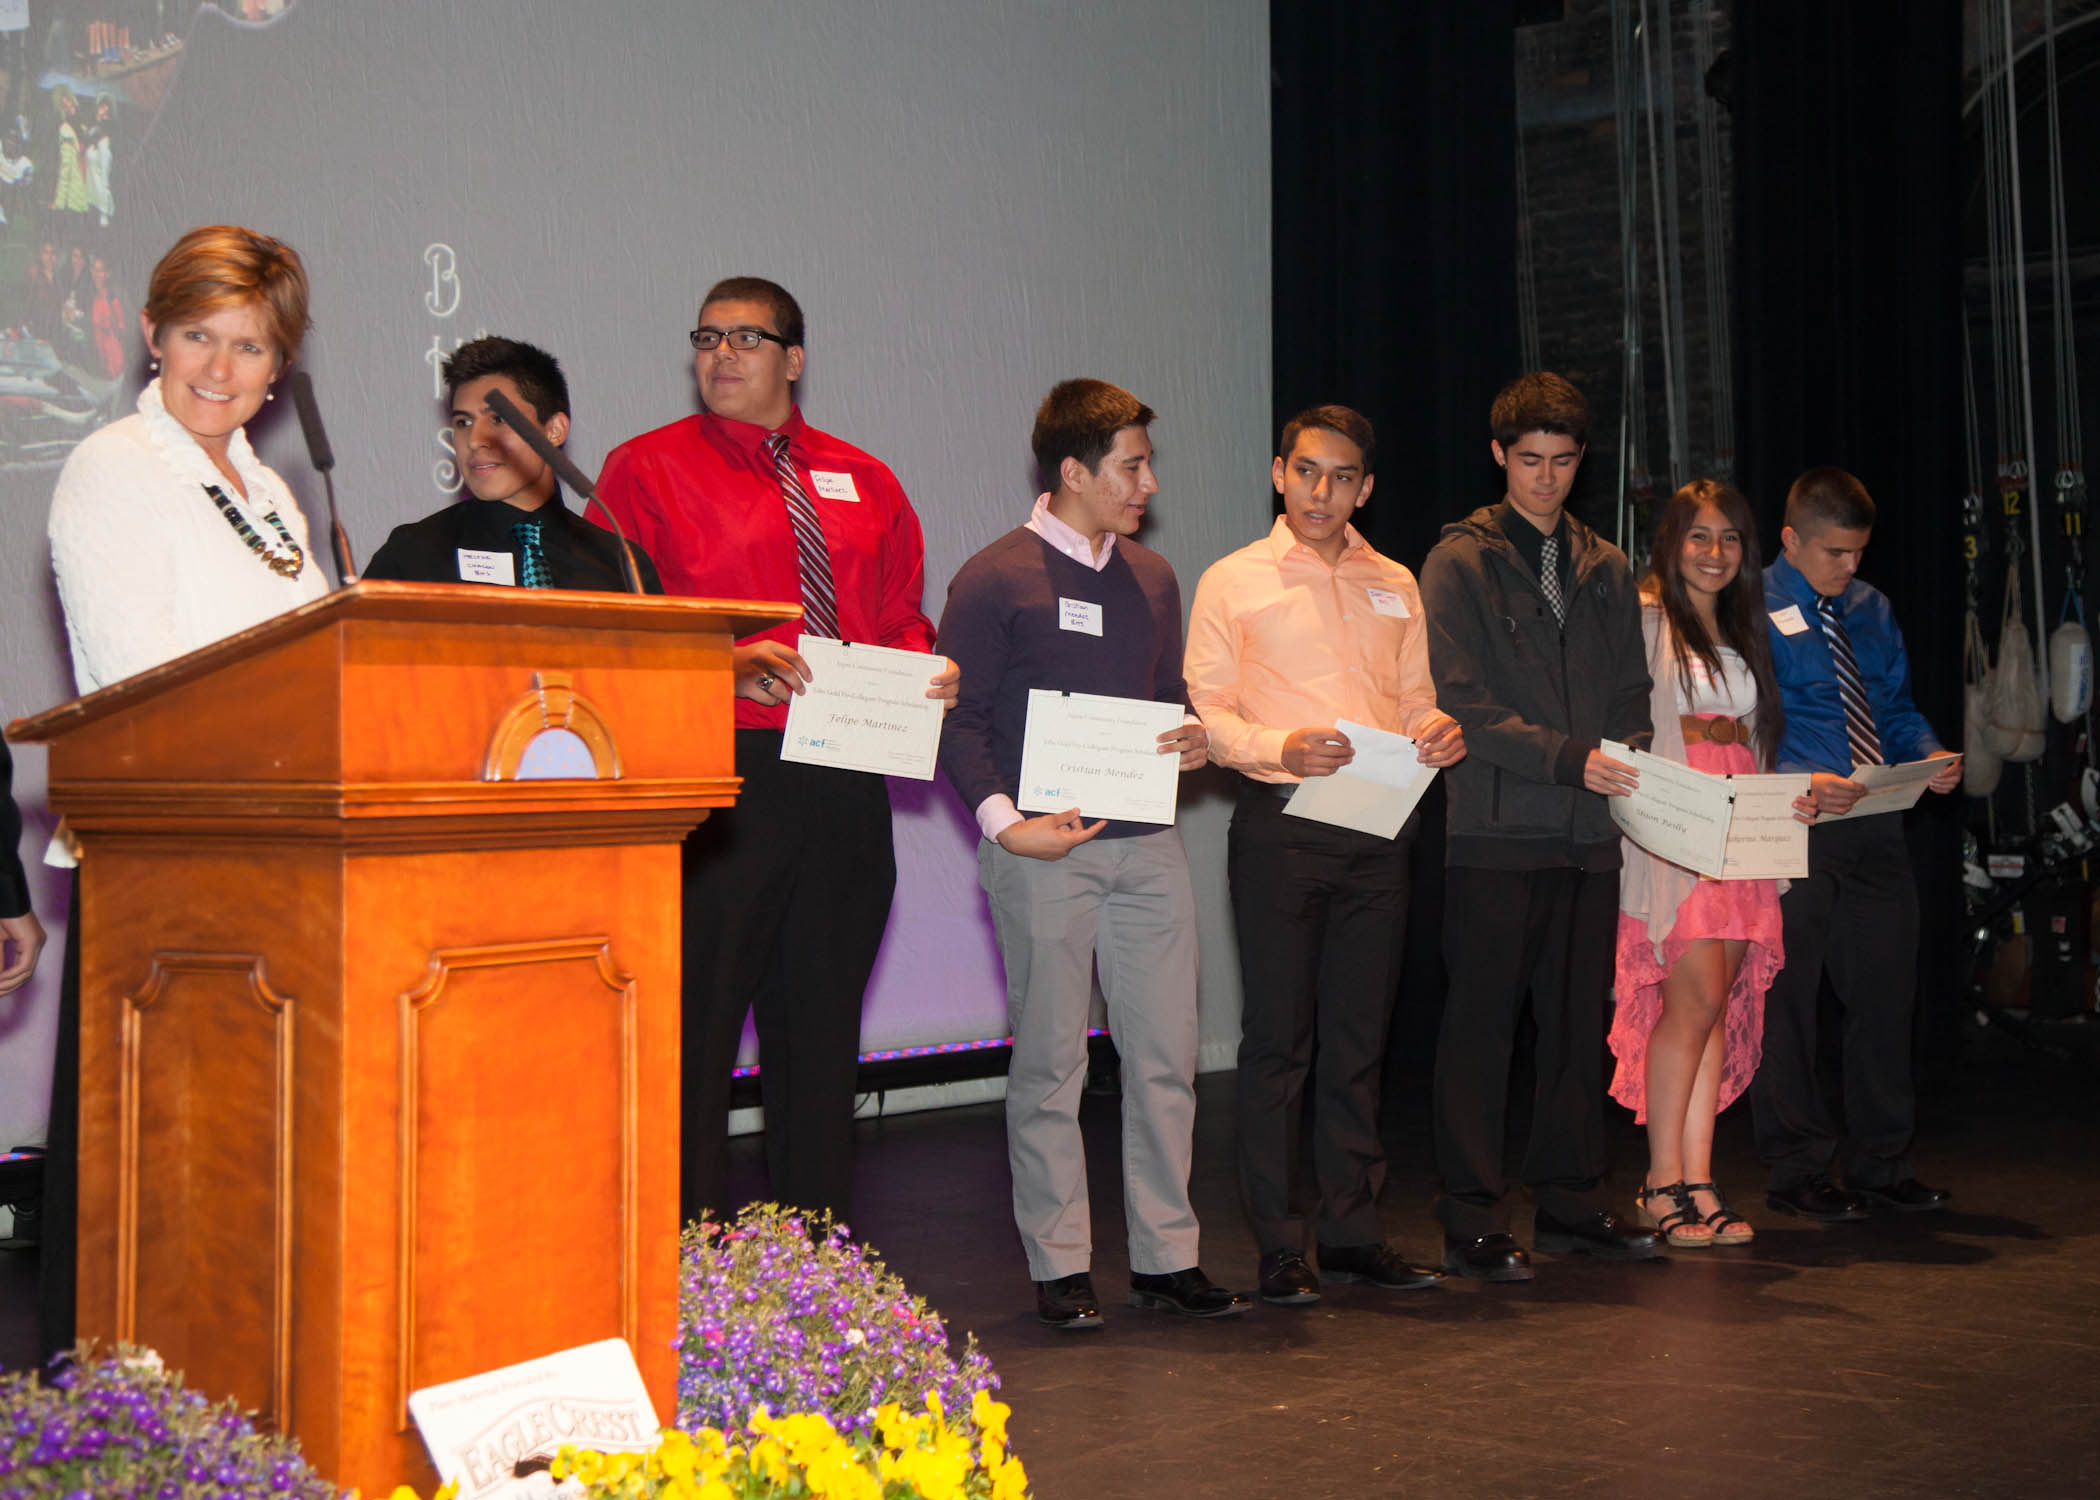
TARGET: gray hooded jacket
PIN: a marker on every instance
(1533, 698)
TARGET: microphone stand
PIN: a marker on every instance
(559, 461)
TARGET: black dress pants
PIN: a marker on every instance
(57, 1263)
(1855, 917)
(1321, 914)
(786, 898)
(1551, 933)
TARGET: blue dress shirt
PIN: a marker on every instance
(1815, 717)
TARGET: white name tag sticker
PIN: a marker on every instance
(834, 486)
(1387, 602)
(487, 567)
(1077, 614)
(1788, 621)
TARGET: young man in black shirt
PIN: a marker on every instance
(513, 529)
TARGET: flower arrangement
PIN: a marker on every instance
(124, 1427)
(896, 1457)
(784, 1313)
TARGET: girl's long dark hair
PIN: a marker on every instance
(1740, 610)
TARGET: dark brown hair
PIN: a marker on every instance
(1740, 610)
(1342, 421)
(1829, 498)
(1080, 419)
(1540, 402)
(787, 312)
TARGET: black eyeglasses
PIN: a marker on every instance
(705, 339)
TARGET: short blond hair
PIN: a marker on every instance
(218, 266)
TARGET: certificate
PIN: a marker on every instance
(865, 709)
(1375, 792)
(1100, 755)
(1765, 840)
(1676, 813)
(1889, 788)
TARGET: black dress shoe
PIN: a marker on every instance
(1817, 1200)
(1189, 1292)
(1909, 1196)
(1489, 1257)
(1287, 1280)
(1068, 1303)
(1376, 1264)
(1604, 1235)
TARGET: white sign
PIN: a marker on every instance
(1079, 615)
(478, 1429)
(1375, 792)
(865, 709)
(834, 486)
(1100, 755)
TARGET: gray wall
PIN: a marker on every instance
(972, 200)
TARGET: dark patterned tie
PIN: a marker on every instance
(1549, 578)
(1852, 689)
(820, 611)
(527, 535)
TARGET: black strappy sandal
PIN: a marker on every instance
(1678, 1224)
(1729, 1227)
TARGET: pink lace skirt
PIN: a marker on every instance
(1747, 910)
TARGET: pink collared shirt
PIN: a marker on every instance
(1278, 641)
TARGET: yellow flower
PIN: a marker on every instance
(990, 1416)
(1009, 1480)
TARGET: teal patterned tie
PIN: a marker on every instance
(527, 536)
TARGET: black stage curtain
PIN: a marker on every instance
(1393, 151)
(1848, 315)
(1393, 160)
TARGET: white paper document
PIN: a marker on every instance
(1765, 840)
(478, 1429)
(1375, 792)
(1889, 788)
(1100, 755)
(865, 709)
(1676, 813)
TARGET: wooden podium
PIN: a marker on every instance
(379, 1042)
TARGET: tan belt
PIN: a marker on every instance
(1718, 730)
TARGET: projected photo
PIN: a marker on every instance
(83, 80)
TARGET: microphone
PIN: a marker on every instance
(558, 461)
(323, 458)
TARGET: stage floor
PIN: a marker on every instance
(1948, 1354)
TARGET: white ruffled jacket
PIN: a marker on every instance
(148, 569)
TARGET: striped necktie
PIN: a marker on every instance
(820, 611)
(536, 574)
(1549, 578)
(1852, 688)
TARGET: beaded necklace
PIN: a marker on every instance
(284, 567)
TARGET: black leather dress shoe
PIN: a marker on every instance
(1489, 1257)
(1189, 1292)
(1287, 1280)
(1068, 1303)
(1909, 1196)
(1817, 1200)
(1604, 1235)
(1376, 1265)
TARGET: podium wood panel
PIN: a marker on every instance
(379, 1059)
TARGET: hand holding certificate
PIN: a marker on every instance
(1675, 812)
(1890, 788)
(865, 709)
(1374, 792)
(1101, 755)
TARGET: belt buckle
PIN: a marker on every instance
(1723, 730)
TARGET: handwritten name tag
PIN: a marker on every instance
(1077, 614)
(1387, 602)
(487, 567)
(834, 486)
(1788, 621)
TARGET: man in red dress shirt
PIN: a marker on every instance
(787, 893)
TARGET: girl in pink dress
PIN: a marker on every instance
(1696, 955)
